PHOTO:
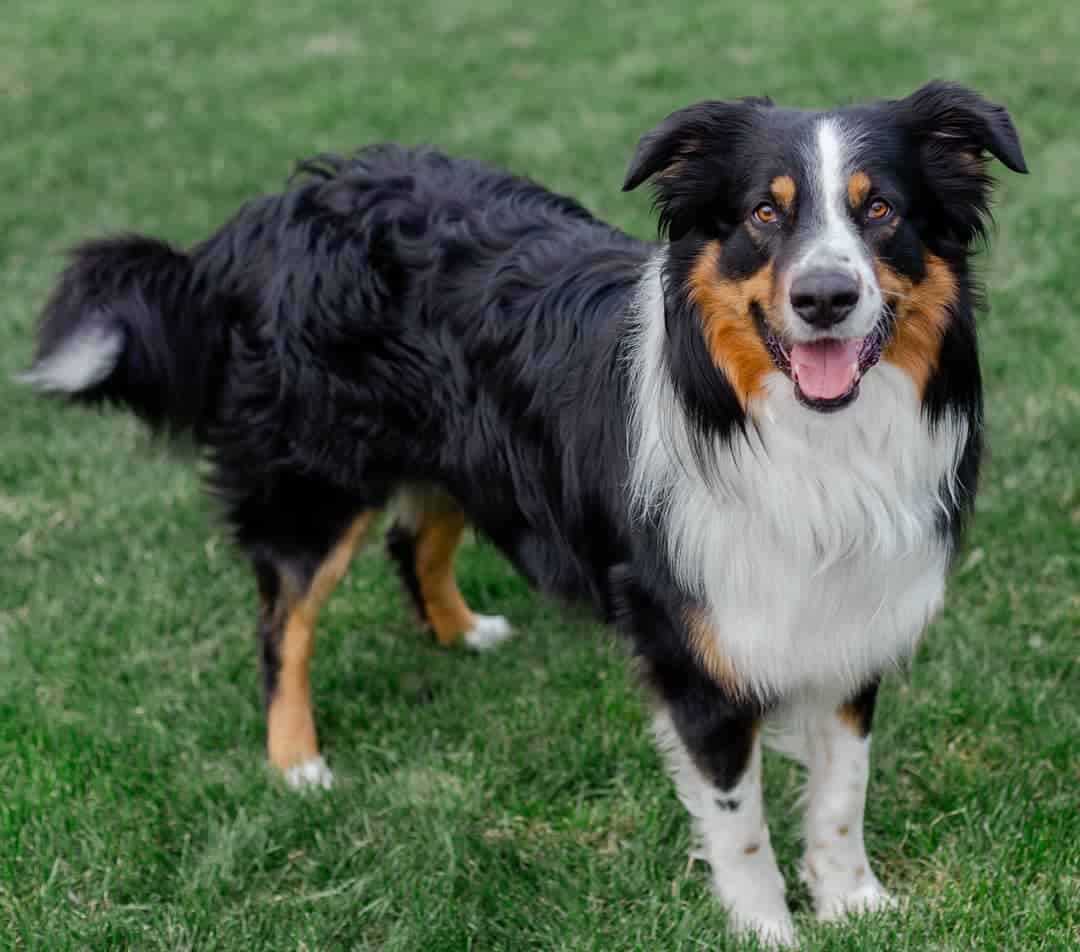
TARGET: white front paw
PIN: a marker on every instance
(487, 632)
(833, 901)
(756, 904)
(773, 933)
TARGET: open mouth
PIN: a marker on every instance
(826, 372)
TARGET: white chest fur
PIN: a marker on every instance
(813, 543)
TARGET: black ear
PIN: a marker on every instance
(687, 134)
(950, 117)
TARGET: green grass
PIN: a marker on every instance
(509, 801)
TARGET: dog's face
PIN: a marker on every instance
(815, 243)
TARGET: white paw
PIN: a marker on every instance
(489, 631)
(776, 933)
(866, 898)
(754, 899)
(312, 774)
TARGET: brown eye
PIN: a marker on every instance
(878, 210)
(765, 214)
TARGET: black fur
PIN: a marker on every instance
(393, 317)
(401, 547)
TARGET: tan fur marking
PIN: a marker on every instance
(290, 724)
(850, 717)
(752, 849)
(674, 170)
(677, 166)
(783, 190)
(922, 312)
(843, 830)
(858, 188)
(724, 309)
(712, 659)
(436, 544)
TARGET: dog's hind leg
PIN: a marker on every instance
(294, 584)
(423, 542)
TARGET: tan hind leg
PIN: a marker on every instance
(423, 542)
(292, 597)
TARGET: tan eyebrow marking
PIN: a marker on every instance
(858, 187)
(783, 189)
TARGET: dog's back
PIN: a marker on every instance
(329, 317)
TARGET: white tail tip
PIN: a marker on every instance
(80, 361)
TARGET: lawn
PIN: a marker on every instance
(510, 801)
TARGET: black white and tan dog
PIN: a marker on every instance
(751, 445)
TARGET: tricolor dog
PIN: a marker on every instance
(751, 445)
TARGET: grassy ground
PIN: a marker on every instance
(511, 801)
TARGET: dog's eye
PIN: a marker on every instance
(878, 210)
(765, 214)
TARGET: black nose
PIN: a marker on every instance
(824, 298)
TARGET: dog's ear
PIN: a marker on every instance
(953, 131)
(689, 157)
(687, 134)
(949, 117)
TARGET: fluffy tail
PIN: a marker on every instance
(128, 323)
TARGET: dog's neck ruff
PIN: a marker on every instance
(813, 540)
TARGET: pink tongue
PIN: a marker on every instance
(826, 368)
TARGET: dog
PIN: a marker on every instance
(751, 445)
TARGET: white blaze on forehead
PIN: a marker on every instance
(837, 238)
(831, 149)
(834, 243)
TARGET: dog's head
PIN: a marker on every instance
(817, 242)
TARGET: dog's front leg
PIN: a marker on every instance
(712, 742)
(835, 866)
(724, 797)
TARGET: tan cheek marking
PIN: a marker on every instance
(290, 723)
(444, 606)
(730, 336)
(858, 188)
(783, 190)
(922, 312)
(717, 665)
